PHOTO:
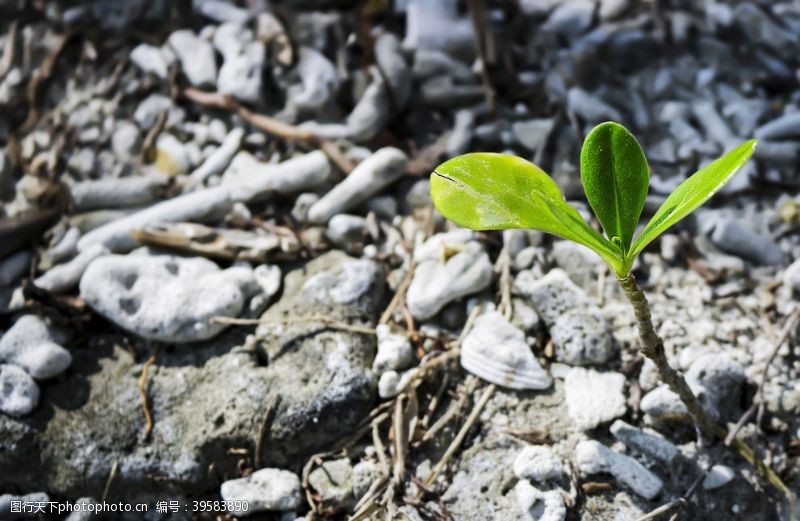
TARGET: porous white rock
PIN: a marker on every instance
(240, 74)
(592, 458)
(264, 490)
(19, 393)
(718, 476)
(496, 351)
(537, 463)
(649, 443)
(392, 383)
(436, 283)
(394, 351)
(369, 177)
(593, 397)
(219, 160)
(196, 56)
(110, 192)
(34, 346)
(151, 59)
(538, 505)
(345, 230)
(581, 334)
(319, 81)
(164, 297)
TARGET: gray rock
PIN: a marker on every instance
(761, 29)
(151, 59)
(581, 334)
(461, 135)
(345, 230)
(196, 56)
(302, 204)
(611, 9)
(718, 476)
(786, 126)
(593, 457)
(540, 506)
(424, 23)
(590, 107)
(264, 490)
(649, 443)
(166, 298)
(537, 463)
(82, 512)
(109, 192)
(594, 398)
(65, 277)
(533, 133)
(497, 351)
(205, 398)
(32, 345)
(151, 107)
(733, 237)
(436, 283)
(19, 394)
(721, 379)
(369, 177)
(66, 246)
(333, 481)
(14, 266)
(570, 18)
(394, 351)
(581, 264)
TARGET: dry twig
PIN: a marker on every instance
(148, 414)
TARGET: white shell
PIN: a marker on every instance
(496, 351)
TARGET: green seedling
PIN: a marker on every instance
(488, 191)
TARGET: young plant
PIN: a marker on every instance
(487, 191)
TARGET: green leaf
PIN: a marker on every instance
(487, 191)
(615, 178)
(692, 193)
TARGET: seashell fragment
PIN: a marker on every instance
(497, 351)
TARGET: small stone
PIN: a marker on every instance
(319, 81)
(528, 498)
(19, 394)
(735, 238)
(196, 56)
(83, 512)
(172, 156)
(590, 107)
(718, 476)
(581, 264)
(302, 204)
(63, 278)
(219, 160)
(394, 351)
(611, 9)
(581, 334)
(369, 177)
(497, 351)
(648, 443)
(594, 398)
(333, 481)
(264, 490)
(345, 230)
(532, 134)
(6, 501)
(240, 74)
(592, 458)
(126, 140)
(110, 192)
(791, 276)
(392, 383)
(31, 345)
(537, 463)
(151, 59)
(461, 135)
(436, 283)
(571, 18)
(222, 11)
(164, 297)
(786, 126)
(149, 110)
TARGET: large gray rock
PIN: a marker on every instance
(581, 334)
(19, 394)
(164, 297)
(206, 399)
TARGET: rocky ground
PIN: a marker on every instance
(222, 277)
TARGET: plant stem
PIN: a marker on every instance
(653, 348)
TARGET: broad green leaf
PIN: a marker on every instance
(692, 193)
(487, 191)
(615, 178)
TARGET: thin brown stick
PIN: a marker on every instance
(148, 414)
(398, 295)
(262, 431)
(477, 9)
(329, 322)
(462, 434)
(270, 125)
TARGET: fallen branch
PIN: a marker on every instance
(270, 125)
